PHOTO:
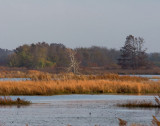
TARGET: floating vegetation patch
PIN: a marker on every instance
(6, 100)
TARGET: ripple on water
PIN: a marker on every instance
(76, 110)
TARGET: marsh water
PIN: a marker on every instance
(76, 110)
(14, 79)
(151, 77)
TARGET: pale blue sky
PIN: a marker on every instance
(79, 23)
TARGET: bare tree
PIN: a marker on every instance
(74, 64)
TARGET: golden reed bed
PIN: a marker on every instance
(77, 87)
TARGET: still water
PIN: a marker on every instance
(76, 110)
(151, 77)
(14, 79)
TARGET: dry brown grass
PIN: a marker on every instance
(77, 87)
(142, 104)
(12, 74)
(38, 75)
(155, 122)
(6, 100)
(122, 122)
(69, 83)
(110, 76)
(33, 74)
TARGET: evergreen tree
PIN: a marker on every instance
(132, 53)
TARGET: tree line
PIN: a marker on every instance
(4, 53)
(40, 55)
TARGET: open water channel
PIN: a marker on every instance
(76, 110)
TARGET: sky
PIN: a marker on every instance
(79, 23)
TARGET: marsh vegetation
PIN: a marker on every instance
(48, 84)
(6, 100)
(143, 103)
(155, 122)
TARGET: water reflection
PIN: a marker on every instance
(157, 112)
(13, 106)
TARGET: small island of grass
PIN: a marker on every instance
(142, 104)
(139, 104)
(6, 100)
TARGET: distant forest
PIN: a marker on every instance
(41, 55)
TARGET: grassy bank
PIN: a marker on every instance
(6, 100)
(97, 86)
(52, 84)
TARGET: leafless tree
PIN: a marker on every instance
(74, 64)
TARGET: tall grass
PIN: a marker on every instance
(110, 76)
(41, 77)
(77, 87)
(155, 122)
(143, 103)
(33, 74)
(139, 104)
(13, 74)
(37, 75)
